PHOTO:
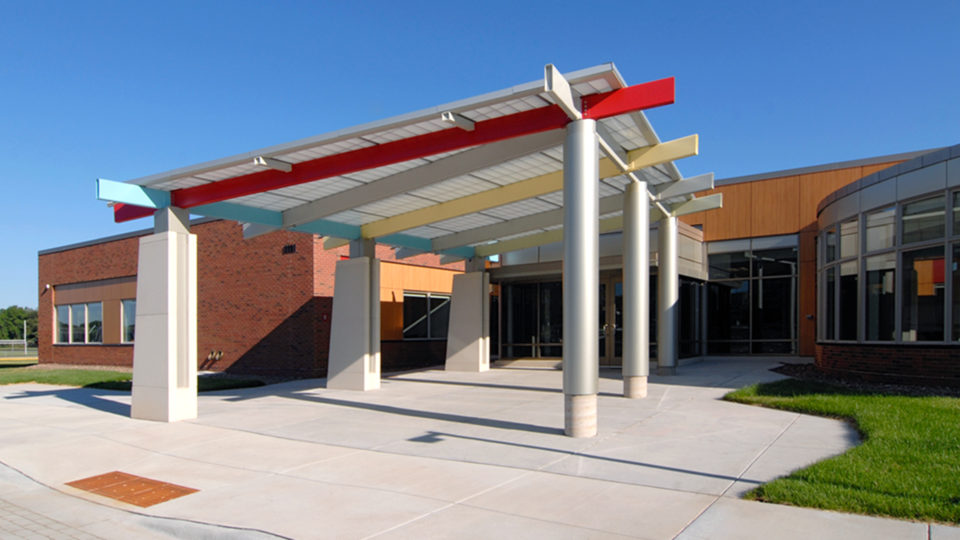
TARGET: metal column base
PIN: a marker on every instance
(667, 370)
(580, 415)
(635, 387)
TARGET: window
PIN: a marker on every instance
(847, 301)
(923, 220)
(956, 213)
(848, 239)
(425, 315)
(880, 230)
(830, 244)
(752, 297)
(95, 323)
(63, 324)
(129, 319)
(956, 293)
(923, 294)
(80, 323)
(880, 308)
(830, 303)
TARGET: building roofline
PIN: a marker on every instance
(115, 238)
(825, 167)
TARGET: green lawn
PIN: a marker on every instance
(908, 465)
(108, 380)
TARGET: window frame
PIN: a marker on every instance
(70, 308)
(427, 295)
(123, 321)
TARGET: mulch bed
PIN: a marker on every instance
(810, 372)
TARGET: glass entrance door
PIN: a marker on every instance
(611, 320)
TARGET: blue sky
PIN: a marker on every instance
(120, 90)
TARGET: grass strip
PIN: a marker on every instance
(908, 465)
(108, 380)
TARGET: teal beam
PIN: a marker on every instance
(122, 192)
(239, 212)
(466, 252)
(109, 190)
(424, 244)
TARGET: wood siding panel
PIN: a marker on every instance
(773, 207)
(731, 221)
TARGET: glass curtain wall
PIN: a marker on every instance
(752, 297)
(532, 319)
(896, 280)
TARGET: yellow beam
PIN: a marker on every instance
(518, 191)
(656, 154)
(640, 158)
(540, 239)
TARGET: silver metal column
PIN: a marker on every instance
(668, 292)
(636, 290)
(581, 279)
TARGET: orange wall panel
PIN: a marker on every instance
(396, 278)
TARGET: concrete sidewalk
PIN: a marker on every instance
(430, 454)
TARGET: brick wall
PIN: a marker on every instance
(256, 307)
(260, 310)
(101, 261)
(936, 365)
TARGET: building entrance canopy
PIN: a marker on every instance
(471, 178)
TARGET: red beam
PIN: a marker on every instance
(596, 106)
(487, 131)
(629, 99)
(128, 212)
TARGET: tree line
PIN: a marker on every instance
(11, 323)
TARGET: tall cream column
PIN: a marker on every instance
(354, 360)
(468, 336)
(165, 344)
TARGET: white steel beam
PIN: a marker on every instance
(559, 89)
(253, 230)
(686, 186)
(272, 163)
(412, 179)
(458, 120)
(331, 242)
(710, 202)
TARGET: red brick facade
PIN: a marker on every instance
(264, 304)
(937, 365)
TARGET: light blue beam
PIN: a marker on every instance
(122, 192)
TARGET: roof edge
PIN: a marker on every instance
(385, 123)
(115, 238)
(825, 167)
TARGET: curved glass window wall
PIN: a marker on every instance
(886, 274)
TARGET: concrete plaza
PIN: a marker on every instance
(430, 454)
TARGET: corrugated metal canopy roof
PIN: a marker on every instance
(448, 201)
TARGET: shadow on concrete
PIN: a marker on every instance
(429, 415)
(87, 397)
(499, 386)
(437, 436)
